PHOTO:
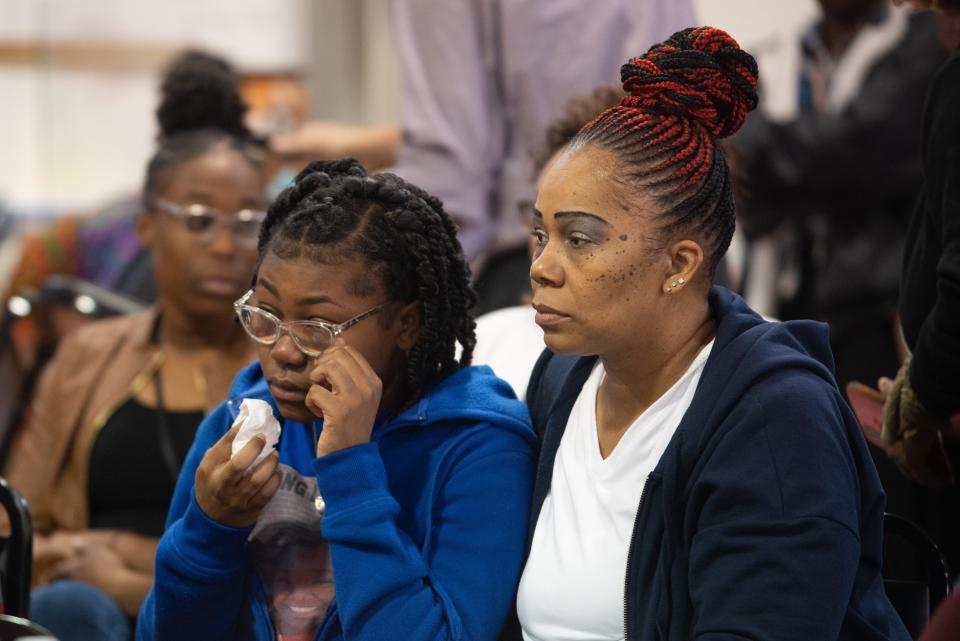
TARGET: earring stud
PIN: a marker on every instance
(681, 281)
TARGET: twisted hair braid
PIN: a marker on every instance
(682, 95)
(334, 211)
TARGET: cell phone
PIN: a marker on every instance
(867, 404)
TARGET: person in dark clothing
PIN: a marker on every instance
(837, 178)
(921, 429)
(700, 475)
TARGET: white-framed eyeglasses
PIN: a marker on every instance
(202, 221)
(310, 336)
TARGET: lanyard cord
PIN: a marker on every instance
(167, 450)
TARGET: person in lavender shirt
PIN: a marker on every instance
(482, 81)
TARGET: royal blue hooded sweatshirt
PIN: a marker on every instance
(425, 524)
(763, 519)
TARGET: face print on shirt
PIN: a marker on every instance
(292, 558)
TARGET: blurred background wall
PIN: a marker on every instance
(78, 77)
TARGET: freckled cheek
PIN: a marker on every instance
(605, 291)
(615, 273)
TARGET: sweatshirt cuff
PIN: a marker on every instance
(209, 544)
(350, 478)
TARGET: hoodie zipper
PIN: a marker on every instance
(633, 543)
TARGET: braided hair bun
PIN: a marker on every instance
(200, 109)
(699, 73)
(200, 91)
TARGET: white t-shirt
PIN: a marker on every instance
(510, 342)
(572, 586)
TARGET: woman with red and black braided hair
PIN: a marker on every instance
(700, 474)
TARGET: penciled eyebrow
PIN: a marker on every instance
(560, 215)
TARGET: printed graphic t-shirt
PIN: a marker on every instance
(291, 557)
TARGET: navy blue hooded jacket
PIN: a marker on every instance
(425, 524)
(763, 519)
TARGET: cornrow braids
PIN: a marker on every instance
(334, 211)
(682, 96)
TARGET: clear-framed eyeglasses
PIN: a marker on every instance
(310, 336)
(202, 221)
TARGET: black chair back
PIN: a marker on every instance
(18, 562)
(914, 596)
(12, 628)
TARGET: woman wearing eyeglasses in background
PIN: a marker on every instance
(402, 478)
(118, 406)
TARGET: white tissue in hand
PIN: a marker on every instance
(256, 417)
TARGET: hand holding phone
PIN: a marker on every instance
(867, 404)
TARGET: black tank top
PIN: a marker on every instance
(131, 483)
